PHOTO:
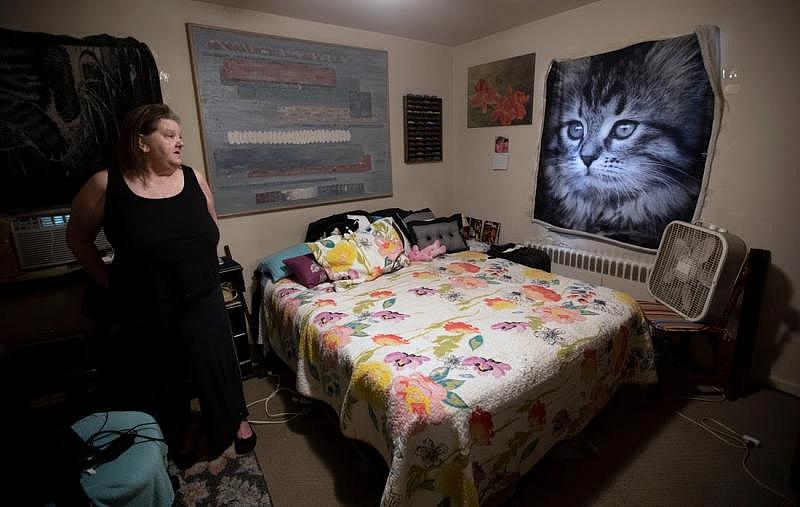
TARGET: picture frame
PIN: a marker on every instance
(500, 93)
(288, 123)
(500, 144)
(500, 157)
(491, 232)
(474, 226)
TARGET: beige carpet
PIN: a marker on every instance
(640, 453)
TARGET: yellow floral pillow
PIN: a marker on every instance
(361, 256)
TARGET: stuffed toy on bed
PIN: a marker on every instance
(428, 253)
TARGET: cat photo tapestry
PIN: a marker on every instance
(625, 140)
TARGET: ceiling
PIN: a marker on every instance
(448, 22)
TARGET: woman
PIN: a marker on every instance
(167, 308)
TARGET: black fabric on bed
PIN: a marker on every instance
(528, 256)
(388, 212)
(324, 226)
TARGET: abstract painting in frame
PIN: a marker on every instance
(626, 141)
(288, 123)
(500, 93)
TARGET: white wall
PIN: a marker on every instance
(414, 67)
(754, 180)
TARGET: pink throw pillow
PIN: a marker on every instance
(306, 270)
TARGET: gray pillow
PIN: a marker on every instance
(446, 230)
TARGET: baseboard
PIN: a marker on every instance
(784, 385)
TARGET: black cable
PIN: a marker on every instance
(109, 451)
(105, 421)
(101, 432)
(133, 433)
(125, 432)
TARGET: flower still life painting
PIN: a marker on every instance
(501, 93)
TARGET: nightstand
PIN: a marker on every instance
(232, 282)
(692, 354)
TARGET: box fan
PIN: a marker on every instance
(695, 269)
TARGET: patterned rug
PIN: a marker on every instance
(228, 480)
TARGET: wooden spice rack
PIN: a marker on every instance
(423, 128)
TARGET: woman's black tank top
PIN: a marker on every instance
(165, 250)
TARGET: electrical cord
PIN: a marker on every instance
(127, 431)
(732, 438)
(97, 453)
(122, 432)
(288, 415)
(102, 426)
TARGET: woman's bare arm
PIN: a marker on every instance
(209, 197)
(86, 219)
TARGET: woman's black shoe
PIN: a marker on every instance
(245, 445)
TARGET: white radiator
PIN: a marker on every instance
(629, 275)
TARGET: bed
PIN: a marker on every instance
(462, 372)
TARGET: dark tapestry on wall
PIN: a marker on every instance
(61, 99)
(625, 140)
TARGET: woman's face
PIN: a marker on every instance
(163, 146)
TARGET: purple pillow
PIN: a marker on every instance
(306, 270)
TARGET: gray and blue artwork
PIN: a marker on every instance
(290, 123)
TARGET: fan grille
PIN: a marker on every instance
(685, 278)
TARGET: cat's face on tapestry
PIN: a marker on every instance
(610, 148)
(623, 143)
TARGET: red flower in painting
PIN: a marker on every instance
(510, 107)
(484, 96)
(520, 98)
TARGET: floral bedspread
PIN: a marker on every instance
(462, 372)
